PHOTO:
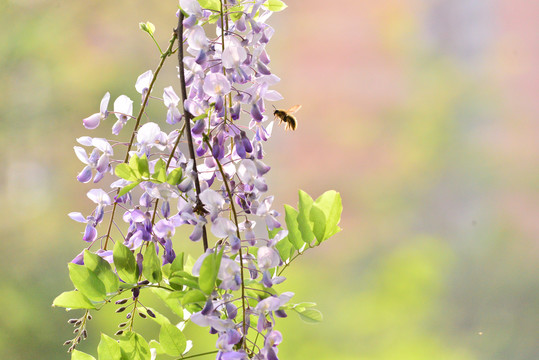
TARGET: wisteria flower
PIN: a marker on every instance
(143, 82)
(171, 100)
(97, 161)
(92, 121)
(123, 109)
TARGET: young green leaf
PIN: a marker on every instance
(73, 300)
(134, 347)
(128, 188)
(193, 296)
(172, 340)
(87, 282)
(133, 165)
(210, 4)
(143, 166)
(275, 5)
(125, 263)
(79, 355)
(108, 349)
(326, 214)
(147, 27)
(285, 249)
(208, 273)
(102, 269)
(151, 266)
(310, 315)
(159, 171)
(124, 171)
(304, 224)
(175, 176)
(294, 235)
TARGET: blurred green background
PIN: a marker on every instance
(422, 113)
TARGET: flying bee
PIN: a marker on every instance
(287, 117)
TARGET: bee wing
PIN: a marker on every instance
(293, 109)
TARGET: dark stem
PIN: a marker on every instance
(187, 118)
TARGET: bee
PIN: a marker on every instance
(287, 117)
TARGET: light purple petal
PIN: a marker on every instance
(123, 105)
(92, 121)
(81, 154)
(85, 175)
(267, 258)
(170, 98)
(216, 84)
(143, 82)
(222, 227)
(99, 196)
(77, 216)
(104, 104)
(148, 133)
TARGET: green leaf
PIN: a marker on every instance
(143, 166)
(304, 223)
(73, 300)
(193, 297)
(79, 355)
(133, 165)
(87, 282)
(134, 347)
(159, 318)
(236, 12)
(128, 188)
(155, 345)
(326, 214)
(177, 264)
(285, 249)
(318, 219)
(175, 176)
(108, 349)
(210, 4)
(102, 269)
(151, 266)
(208, 272)
(275, 5)
(310, 316)
(172, 340)
(125, 263)
(124, 171)
(172, 300)
(294, 235)
(160, 171)
(302, 306)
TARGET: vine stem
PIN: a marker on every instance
(166, 54)
(187, 118)
(197, 355)
(229, 193)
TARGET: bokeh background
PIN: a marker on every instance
(422, 113)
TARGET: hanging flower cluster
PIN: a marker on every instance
(204, 178)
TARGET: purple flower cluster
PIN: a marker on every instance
(227, 82)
